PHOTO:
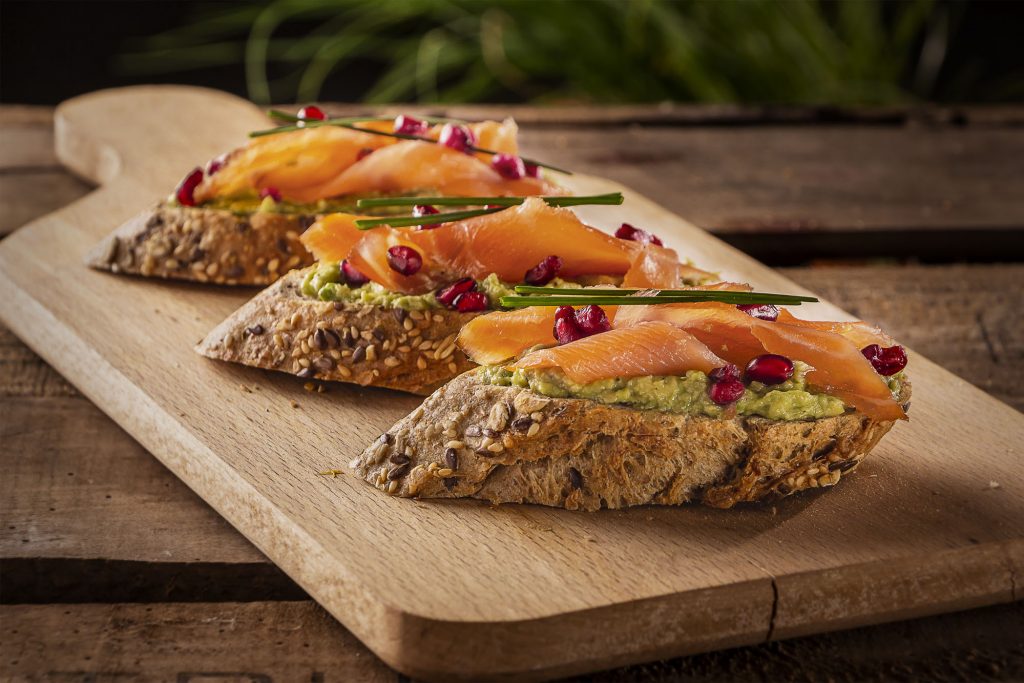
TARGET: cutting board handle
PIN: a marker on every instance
(149, 134)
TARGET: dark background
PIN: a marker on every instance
(51, 50)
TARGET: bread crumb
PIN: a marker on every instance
(294, 404)
(994, 485)
(245, 388)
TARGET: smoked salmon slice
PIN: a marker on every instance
(507, 243)
(309, 165)
(650, 348)
(839, 368)
(496, 337)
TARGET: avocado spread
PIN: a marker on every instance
(325, 283)
(688, 394)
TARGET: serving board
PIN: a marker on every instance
(933, 521)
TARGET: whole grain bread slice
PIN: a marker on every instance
(205, 245)
(511, 445)
(281, 329)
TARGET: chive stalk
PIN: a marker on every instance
(371, 202)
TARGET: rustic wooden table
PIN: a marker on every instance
(111, 568)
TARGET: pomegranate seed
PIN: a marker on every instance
(311, 113)
(508, 166)
(544, 272)
(566, 331)
(352, 276)
(426, 210)
(531, 170)
(407, 125)
(725, 392)
(761, 311)
(592, 320)
(404, 260)
(770, 368)
(628, 232)
(187, 188)
(271, 192)
(449, 294)
(216, 163)
(363, 153)
(725, 372)
(571, 324)
(471, 302)
(886, 361)
(457, 137)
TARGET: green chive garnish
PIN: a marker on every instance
(432, 219)
(626, 297)
(350, 122)
(610, 198)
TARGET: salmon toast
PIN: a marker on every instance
(383, 305)
(238, 219)
(717, 396)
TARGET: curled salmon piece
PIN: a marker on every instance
(860, 333)
(650, 348)
(309, 165)
(496, 337)
(839, 368)
(507, 243)
(332, 237)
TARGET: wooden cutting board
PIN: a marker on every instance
(933, 521)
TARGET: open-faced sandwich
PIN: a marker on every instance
(715, 396)
(238, 220)
(384, 304)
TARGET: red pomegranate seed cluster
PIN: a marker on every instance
(531, 170)
(628, 232)
(544, 272)
(770, 368)
(353, 277)
(404, 260)
(767, 312)
(407, 125)
(457, 137)
(310, 113)
(571, 324)
(185, 193)
(426, 210)
(886, 360)
(725, 386)
(462, 296)
(508, 166)
(271, 192)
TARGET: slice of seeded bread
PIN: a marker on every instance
(511, 445)
(205, 245)
(280, 329)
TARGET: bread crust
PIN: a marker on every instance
(281, 329)
(205, 245)
(510, 445)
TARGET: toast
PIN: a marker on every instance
(506, 444)
(282, 329)
(206, 245)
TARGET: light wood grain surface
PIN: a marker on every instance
(790, 615)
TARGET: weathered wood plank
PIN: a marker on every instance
(298, 641)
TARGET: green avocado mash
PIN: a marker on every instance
(791, 400)
(324, 283)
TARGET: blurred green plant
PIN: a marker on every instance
(793, 51)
